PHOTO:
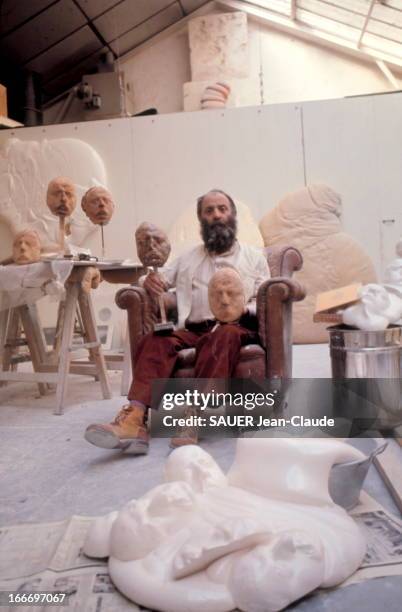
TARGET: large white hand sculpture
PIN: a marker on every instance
(376, 309)
(256, 539)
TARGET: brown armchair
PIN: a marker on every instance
(273, 359)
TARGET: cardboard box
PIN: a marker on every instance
(3, 101)
(329, 302)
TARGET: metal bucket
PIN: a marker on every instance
(373, 357)
(346, 479)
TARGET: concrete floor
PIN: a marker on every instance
(45, 460)
(49, 472)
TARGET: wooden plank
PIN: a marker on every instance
(38, 377)
(83, 345)
(4, 315)
(35, 338)
(3, 101)
(81, 369)
(389, 465)
(12, 335)
(5, 122)
(91, 332)
(70, 307)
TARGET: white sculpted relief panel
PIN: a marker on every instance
(27, 167)
(219, 47)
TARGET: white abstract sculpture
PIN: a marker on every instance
(256, 539)
(376, 309)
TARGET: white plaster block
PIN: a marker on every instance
(219, 46)
(244, 92)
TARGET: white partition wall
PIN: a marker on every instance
(157, 165)
(255, 154)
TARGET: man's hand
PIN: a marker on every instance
(154, 284)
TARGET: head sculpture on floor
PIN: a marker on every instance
(226, 295)
(26, 247)
(217, 214)
(61, 197)
(153, 247)
(98, 205)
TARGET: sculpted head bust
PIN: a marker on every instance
(226, 295)
(153, 247)
(26, 247)
(61, 197)
(98, 205)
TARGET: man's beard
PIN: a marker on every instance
(219, 237)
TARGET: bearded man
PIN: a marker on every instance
(217, 347)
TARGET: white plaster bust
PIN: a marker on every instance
(258, 538)
(26, 247)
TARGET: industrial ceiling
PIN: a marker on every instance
(63, 39)
(58, 41)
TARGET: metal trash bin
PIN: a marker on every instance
(373, 357)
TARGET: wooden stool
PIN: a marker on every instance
(46, 368)
(20, 328)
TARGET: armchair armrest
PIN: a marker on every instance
(140, 312)
(274, 311)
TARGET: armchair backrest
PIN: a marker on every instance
(282, 261)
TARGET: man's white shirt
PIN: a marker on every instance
(191, 272)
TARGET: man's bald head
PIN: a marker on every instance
(226, 295)
(61, 197)
(98, 205)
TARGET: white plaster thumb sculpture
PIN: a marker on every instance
(376, 309)
(393, 272)
(255, 539)
(215, 96)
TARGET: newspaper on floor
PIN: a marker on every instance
(49, 557)
(383, 532)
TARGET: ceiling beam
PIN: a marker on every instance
(178, 26)
(365, 24)
(388, 75)
(305, 32)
